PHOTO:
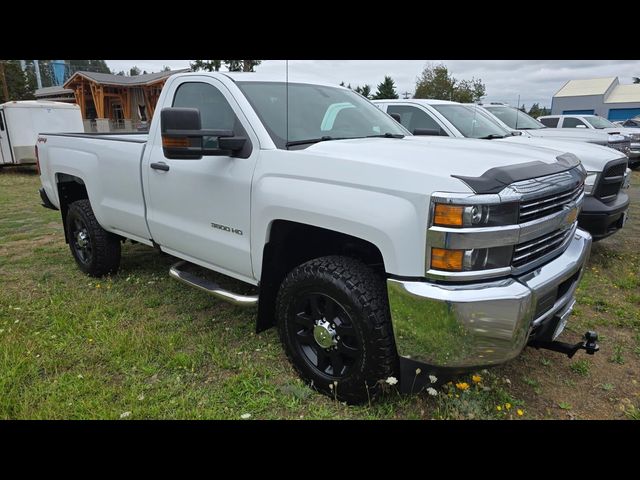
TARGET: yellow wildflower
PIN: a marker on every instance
(98, 285)
(520, 412)
(476, 378)
(462, 386)
(499, 408)
(507, 406)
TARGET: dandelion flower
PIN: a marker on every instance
(433, 378)
(125, 414)
(98, 286)
(432, 391)
(507, 406)
(418, 371)
(476, 378)
(520, 412)
(499, 408)
(462, 386)
(244, 416)
(391, 380)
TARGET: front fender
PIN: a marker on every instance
(393, 223)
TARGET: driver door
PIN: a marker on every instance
(199, 210)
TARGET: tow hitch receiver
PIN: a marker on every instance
(589, 343)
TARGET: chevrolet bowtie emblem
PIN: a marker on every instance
(572, 214)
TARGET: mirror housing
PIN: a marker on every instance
(396, 117)
(427, 131)
(182, 136)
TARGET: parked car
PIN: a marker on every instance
(21, 121)
(594, 122)
(516, 119)
(378, 255)
(606, 203)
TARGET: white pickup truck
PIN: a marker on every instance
(377, 254)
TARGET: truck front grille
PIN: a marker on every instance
(622, 146)
(526, 252)
(611, 181)
(541, 207)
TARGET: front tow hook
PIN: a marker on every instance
(589, 344)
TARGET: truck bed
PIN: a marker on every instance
(109, 165)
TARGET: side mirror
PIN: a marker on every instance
(183, 137)
(396, 117)
(427, 131)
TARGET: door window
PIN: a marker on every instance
(572, 122)
(413, 117)
(215, 111)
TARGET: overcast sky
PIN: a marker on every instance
(533, 80)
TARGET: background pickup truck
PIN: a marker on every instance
(520, 121)
(604, 211)
(376, 254)
(594, 122)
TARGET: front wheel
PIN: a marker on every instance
(334, 323)
(96, 251)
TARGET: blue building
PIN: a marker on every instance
(605, 97)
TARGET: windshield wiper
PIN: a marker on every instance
(386, 135)
(312, 140)
(492, 136)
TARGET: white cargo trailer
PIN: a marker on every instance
(21, 122)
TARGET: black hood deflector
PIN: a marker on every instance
(495, 179)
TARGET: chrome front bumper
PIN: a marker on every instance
(468, 326)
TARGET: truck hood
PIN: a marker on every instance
(593, 157)
(574, 135)
(623, 130)
(411, 163)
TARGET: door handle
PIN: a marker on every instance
(160, 166)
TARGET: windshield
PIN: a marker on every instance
(470, 123)
(514, 118)
(599, 122)
(316, 113)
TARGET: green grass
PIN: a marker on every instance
(581, 367)
(74, 347)
(617, 356)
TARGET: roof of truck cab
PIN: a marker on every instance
(38, 104)
(427, 101)
(268, 77)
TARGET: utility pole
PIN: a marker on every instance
(406, 95)
(5, 89)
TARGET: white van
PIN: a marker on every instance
(21, 122)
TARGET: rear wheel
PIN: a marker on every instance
(334, 323)
(96, 251)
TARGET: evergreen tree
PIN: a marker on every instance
(366, 91)
(134, 71)
(386, 89)
(20, 85)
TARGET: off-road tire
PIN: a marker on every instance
(363, 296)
(105, 246)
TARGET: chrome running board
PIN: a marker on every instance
(210, 287)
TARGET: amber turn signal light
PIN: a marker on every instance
(175, 141)
(444, 259)
(448, 215)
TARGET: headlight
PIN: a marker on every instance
(589, 182)
(458, 216)
(470, 260)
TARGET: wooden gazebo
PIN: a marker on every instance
(100, 95)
